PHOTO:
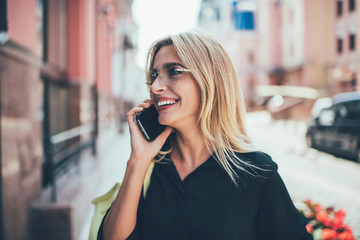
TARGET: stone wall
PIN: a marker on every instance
(27, 210)
(21, 138)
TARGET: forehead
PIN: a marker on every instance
(165, 55)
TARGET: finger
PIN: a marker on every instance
(148, 101)
(144, 104)
(133, 112)
(132, 118)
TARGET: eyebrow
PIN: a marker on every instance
(170, 65)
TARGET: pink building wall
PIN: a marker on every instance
(105, 44)
(276, 23)
(90, 48)
(54, 35)
(22, 23)
(346, 64)
(76, 56)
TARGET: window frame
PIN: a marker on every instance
(339, 45)
(339, 8)
(352, 5)
(352, 41)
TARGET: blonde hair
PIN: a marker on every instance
(222, 110)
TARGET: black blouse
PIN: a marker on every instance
(208, 205)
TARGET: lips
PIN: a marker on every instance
(165, 103)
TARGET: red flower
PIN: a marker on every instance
(324, 218)
(348, 229)
(338, 223)
(309, 228)
(318, 208)
(328, 234)
(340, 214)
(347, 235)
(328, 221)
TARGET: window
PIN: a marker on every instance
(3, 17)
(339, 45)
(351, 5)
(250, 57)
(244, 16)
(352, 110)
(339, 7)
(341, 111)
(352, 41)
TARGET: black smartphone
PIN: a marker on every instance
(148, 123)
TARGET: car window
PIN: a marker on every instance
(341, 111)
(352, 110)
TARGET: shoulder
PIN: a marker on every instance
(258, 159)
(257, 165)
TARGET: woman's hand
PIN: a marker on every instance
(142, 150)
(121, 220)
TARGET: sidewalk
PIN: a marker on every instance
(113, 153)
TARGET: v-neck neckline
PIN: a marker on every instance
(170, 166)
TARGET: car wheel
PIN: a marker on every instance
(309, 141)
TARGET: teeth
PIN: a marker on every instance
(165, 102)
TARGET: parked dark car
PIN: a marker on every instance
(336, 129)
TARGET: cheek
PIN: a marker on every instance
(152, 97)
(193, 97)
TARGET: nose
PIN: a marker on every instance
(158, 86)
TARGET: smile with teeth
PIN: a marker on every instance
(166, 102)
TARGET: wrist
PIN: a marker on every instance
(138, 163)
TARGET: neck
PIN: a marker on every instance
(190, 148)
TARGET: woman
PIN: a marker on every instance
(209, 181)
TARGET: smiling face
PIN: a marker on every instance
(174, 91)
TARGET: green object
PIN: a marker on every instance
(103, 203)
(317, 234)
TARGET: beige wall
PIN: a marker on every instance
(21, 139)
(293, 33)
(317, 42)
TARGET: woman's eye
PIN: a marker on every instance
(153, 76)
(174, 72)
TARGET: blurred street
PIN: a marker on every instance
(71, 70)
(113, 153)
(306, 172)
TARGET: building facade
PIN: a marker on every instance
(311, 46)
(345, 68)
(58, 75)
(235, 25)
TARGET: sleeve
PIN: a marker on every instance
(278, 217)
(133, 236)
